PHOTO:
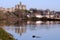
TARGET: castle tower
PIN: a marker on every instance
(20, 6)
(20, 3)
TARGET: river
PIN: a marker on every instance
(42, 30)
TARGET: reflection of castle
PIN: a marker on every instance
(31, 25)
(18, 30)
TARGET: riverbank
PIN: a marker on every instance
(44, 19)
(5, 36)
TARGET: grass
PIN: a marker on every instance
(5, 36)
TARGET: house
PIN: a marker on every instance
(57, 14)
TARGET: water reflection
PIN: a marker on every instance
(24, 30)
(43, 22)
(18, 30)
(32, 25)
(17, 23)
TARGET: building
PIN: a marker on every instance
(57, 14)
(12, 9)
(20, 6)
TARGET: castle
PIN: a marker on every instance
(12, 9)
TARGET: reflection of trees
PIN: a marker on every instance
(21, 23)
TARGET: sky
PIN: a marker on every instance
(39, 4)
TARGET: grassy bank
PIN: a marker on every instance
(4, 35)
